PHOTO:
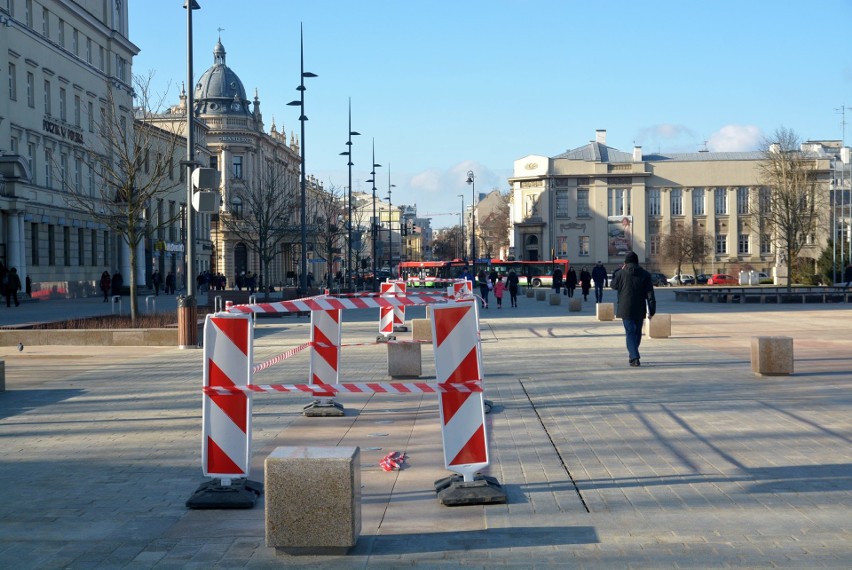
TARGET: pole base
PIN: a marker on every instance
(240, 494)
(323, 409)
(400, 328)
(383, 338)
(487, 405)
(453, 491)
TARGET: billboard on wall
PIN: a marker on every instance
(619, 235)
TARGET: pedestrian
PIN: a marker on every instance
(847, 275)
(484, 287)
(557, 280)
(116, 283)
(635, 294)
(105, 284)
(585, 282)
(499, 287)
(571, 281)
(512, 282)
(156, 280)
(13, 285)
(599, 277)
(170, 283)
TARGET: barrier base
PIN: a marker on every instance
(240, 494)
(487, 405)
(400, 328)
(453, 491)
(323, 409)
(383, 338)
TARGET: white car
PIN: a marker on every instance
(682, 279)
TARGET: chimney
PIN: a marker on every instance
(600, 136)
(637, 154)
(845, 155)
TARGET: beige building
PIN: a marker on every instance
(60, 59)
(596, 202)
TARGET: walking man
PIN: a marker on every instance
(599, 278)
(635, 299)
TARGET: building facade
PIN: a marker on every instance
(596, 202)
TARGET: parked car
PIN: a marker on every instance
(659, 279)
(722, 279)
(682, 279)
(701, 278)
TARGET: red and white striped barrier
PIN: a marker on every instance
(390, 317)
(349, 388)
(460, 289)
(226, 445)
(329, 302)
(325, 346)
(457, 361)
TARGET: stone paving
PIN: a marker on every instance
(690, 461)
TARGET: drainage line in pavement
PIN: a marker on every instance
(556, 449)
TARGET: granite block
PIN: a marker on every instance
(605, 311)
(772, 355)
(404, 360)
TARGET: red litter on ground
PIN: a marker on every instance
(392, 460)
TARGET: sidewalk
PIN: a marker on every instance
(688, 461)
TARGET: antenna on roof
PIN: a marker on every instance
(705, 149)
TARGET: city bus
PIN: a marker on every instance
(433, 273)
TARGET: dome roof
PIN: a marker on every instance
(219, 91)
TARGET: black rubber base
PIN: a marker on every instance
(240, 494)
(323, 409)
(383, 338)
(400, 328)
(453, 491)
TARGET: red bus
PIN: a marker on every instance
(428, 273)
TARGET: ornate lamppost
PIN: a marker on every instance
(471, 179)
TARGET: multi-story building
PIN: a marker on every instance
(596, 202)
(64, 62)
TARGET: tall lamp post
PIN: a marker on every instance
(471, 179)
(303, 279)
(461, 217)
(373, 224)
(349, 163)
(390, 223)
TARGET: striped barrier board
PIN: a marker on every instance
(349, 387)
(325, 346)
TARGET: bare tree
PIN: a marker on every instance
(328, 208)
(789, 206)
(494, 227)
(448, 244)
(132, 168)
(685, 245)
(263, 213)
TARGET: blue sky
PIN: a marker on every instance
(450, 86)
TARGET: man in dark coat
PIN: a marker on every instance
(599, 278)
(635, 299)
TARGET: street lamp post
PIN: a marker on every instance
(471, 179)
(461, 218)
(390, 223)
(349, 163)
(373, 224)
(303, 279)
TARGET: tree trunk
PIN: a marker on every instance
(134, 306)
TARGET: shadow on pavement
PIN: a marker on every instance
(15, 402)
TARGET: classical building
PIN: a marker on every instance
(596, 202)
(63, 61)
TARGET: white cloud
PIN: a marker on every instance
(735, 138)
(666, 136)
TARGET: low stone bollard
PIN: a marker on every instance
(313, 499)
(575, 305)
(772, 355)
(555, 299)
(605, 311)
(530, 292)
(421, 330)
(404, 360)
(659, 327)
(541, 294)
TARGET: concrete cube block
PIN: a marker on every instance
(574, 305)
(659, 327)
(772, 355)
(530, 292)
(313, 499)
(421, 330)
(605, 311)
(555, 299)
(404, 360)
(540, 294)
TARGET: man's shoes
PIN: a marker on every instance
(634, 362)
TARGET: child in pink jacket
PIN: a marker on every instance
(499, 287)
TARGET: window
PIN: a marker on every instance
(91, 180)
(61, 33)
(91, 108)
(45, 22)
(742, 200)
(63, 170)
(721, 201)
(238, 167)
(618, 202)
(101, 58)
(698, 202)
(81, 247)
(582, 202)
(561, 246)
(34, 244)
(677, 202)
(584, 246)
(94, 245)
(654, 245)
(78, 175)
(654, 202)
(28, 12)
(63, 99)
(764, 197)
(51, 245)
(106, 249)
(765, 244)
(14, 145)
(88, 50)
(47, 97)
(562, 204)
(66, 245)
(31, 148)
(77, 110)
(31, 90)
(721, 243)
(75, 42)
(13, 82)
(48, 170)
(214, 163)
(742, 243)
